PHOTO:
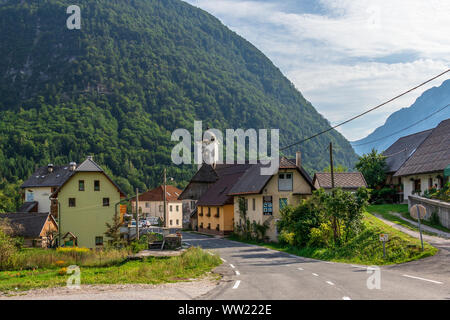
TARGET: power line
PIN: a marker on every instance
(412, 125)
(365, 112)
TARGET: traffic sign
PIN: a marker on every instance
(384, 237)
(418, 210)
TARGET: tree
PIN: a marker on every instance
(113, 231)
(338, 168)
(373, 168)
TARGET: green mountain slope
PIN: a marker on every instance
(136, 71)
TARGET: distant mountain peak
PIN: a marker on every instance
(426, 104)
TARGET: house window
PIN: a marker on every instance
(218, 212)
(209, 212)
(72, 202)
(161, 208)
(246, 204)
(147, 205)
(81, 185)
(30, 196)
(192, 205)
(170, 208)
(98, 241)
(267, 205)
(430, 183)
(285, 182)
(177, 209)
(178, 221)
(283, 203)
(254, 204)
(106, 202)
(96, 185)
(171, 222)
(417, 188)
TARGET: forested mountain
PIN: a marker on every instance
(136, 71)
(429, 103)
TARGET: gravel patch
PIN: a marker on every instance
(185, 290)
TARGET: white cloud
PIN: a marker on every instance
(350, 56)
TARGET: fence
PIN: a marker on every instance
(440, 207)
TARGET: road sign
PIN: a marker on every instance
(384, 237)
(418, 210)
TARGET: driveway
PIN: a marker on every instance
(253, 272)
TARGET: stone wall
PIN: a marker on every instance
(441, 208)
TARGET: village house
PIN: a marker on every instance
(218, 188)
(425, 166)
(348, 181)
(265, 196)
(37, 189)
(215, 208)
(151, 204)
(37, 229)
(396, 155)
(85, 202)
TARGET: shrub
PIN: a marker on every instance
(321, 236)
(286, 238)
(434, 219)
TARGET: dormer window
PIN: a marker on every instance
(285, 182)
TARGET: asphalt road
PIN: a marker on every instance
(253, 272)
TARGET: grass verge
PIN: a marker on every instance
(191, 264)
(364, 248)
(385, 210)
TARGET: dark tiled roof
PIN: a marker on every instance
(253, 182)
(403, 148)
(217, 194)
(206, 173)
(157, 194)
(28, 206)
(32, 223)
(344, 180)
(42, 178)
(432, 155)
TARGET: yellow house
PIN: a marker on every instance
(86, 202)
(215, 208)
(265, 196)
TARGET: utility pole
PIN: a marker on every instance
(137, 214)
(164, 197)
(331, 166)
(332, 190)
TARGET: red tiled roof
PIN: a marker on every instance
(157, 194)
(344, 180)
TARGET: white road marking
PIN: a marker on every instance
(315, 274)
(236, 284)
(301, 269)
(329, 262)
(434, 281)
(346, 298)
(232, 266)
(237, 273)
(223, 259)
(330, 283)
(355, 266)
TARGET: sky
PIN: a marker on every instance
(347, 56)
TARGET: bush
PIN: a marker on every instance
(321, 236)
(7, 249)
(286, 238)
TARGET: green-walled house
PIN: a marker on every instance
(85, 202)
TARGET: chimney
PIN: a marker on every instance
(72, 166)
(50, 168)
(298, 159)
(91, 158)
